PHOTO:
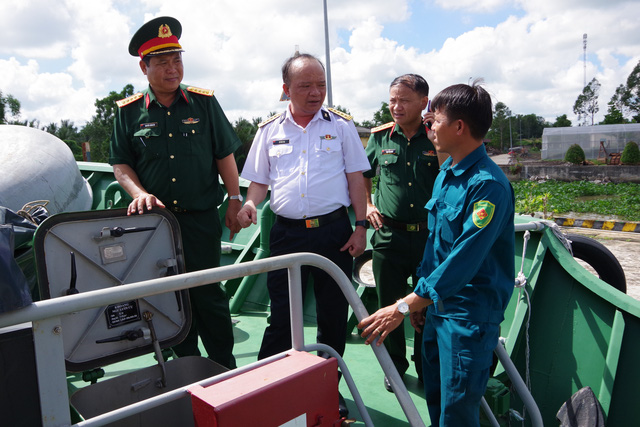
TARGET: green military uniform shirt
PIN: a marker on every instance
(407, 170)
(173, 150)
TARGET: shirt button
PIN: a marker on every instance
(175, 202)
(408, 163)
(172, 156)
(409, 184)
(408, 143)
(302, 173)
(411, 205)
(302, 195)
(174, 180)
(304, 151)
(168, 113)
(429, 164)
(170, 135)
(193, 131)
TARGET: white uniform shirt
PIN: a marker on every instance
(306, 167)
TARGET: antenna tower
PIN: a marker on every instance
(584, 49)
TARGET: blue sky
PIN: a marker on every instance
(57, 58)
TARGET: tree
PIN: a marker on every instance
(562, 122)
(587, 103)
(382, 116)
(613, 116)
(8, 104)
(632, 93)
(499, 132)
(246, 131)
(98, 130)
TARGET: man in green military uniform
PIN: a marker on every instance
(407, 164)
(168, 146)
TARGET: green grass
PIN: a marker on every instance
(607, 200)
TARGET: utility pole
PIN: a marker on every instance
(328, 57)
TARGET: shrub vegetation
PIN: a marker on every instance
(575, 155)
(630, 154)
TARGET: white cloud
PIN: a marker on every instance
(59, 57)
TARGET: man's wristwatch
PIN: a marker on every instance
(237, 197)
(363, 223)
(403, 307)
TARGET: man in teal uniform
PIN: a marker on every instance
(405, 160)
(467, 272)
(168, 146)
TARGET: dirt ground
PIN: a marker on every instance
(625, 246)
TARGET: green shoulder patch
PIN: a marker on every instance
(483, 213)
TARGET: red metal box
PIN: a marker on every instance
(299, 390)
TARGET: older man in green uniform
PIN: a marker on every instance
(168, 146)
(407, 164)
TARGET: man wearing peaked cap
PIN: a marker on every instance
(156, 37)
(169, 144)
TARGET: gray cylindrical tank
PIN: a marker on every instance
(35, 165)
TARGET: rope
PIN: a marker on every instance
(35, 211)
(520, 283)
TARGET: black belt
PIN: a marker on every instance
(314, 222)
(403, 225)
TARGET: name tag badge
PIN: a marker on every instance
(389, 151)
(148, 125)
(281, 141)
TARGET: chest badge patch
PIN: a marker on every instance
(190, 121)
(328, 137)
(483, 213)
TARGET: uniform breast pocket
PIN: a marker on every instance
(149, 144)
(452, 222)
(427, 168)
(328, 154)
(190, 140)
(282, 159)
(390, 169)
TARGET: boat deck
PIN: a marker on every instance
(383, 407)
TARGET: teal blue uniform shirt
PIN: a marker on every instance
(468, 263)
(173, 150)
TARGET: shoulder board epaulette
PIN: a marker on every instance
(199, 91)
(383, 127)
(129, 100)
(340, 113)
(270, 119)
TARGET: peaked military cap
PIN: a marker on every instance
(156, 37)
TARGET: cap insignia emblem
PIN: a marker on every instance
(164, 31)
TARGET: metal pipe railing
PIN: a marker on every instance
(45, 317)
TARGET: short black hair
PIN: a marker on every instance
(471, 104)
(286, 67)
(415, 82)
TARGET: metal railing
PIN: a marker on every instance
(47, 331)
